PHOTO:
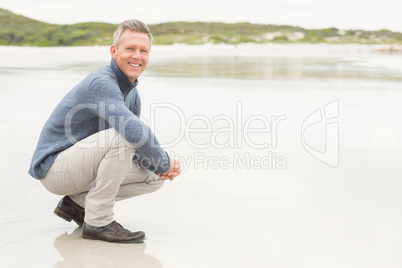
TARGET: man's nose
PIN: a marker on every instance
(136, 54)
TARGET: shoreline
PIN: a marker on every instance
(384, 48)
(101, 55)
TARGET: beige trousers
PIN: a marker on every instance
(96, 172)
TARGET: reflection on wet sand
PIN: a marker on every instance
(267, 68)
(79, 252)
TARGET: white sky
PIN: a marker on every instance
(343, 14)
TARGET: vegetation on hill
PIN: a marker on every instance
(19, 30)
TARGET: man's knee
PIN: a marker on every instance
(113, 138)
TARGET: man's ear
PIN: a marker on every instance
(112, 50)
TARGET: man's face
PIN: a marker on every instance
(132, 55)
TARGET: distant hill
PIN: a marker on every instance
(22, 31)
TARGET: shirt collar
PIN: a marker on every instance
(124, 84)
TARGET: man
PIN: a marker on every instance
(95, 150)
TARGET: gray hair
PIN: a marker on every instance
(133, 25)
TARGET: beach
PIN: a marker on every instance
(290, 155)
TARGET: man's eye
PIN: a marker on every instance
(144, 50)
(129, 48)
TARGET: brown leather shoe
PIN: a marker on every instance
(69, 210)
(112, 232)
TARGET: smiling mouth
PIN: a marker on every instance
(134, 65)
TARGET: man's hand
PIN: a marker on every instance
(173, 171)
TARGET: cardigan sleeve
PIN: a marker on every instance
(118, 116)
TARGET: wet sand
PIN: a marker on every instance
(303, 214)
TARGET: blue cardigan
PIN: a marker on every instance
(104, 99)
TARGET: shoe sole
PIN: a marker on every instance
(65, 216)
(140, 240)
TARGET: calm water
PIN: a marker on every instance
(274, 68)
(272, 190)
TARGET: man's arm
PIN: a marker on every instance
(128, 125)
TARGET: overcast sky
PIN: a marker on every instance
(343, 14)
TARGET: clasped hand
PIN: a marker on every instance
(173, 171)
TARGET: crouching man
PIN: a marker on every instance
(94, 149)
